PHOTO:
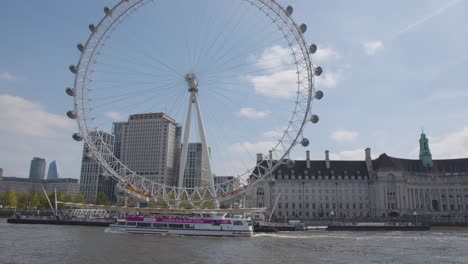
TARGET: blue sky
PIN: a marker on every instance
(390, 68)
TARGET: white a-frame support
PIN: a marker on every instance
(206, 160)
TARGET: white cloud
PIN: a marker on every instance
(328, 79)
(253, 148)
(452, 145)
(357, 154)
(272, 57)
(21, 116)
(324, 55)
(280, 84)
(28, 131)
(6, 76)
(277, 133)
(372, 47)
(116, 116)
(252, 113)
(344, 136)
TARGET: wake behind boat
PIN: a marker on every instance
(214, 224)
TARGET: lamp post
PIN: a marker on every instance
(333, 217)
(415, 218)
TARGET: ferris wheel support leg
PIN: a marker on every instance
(183, 153)
(205, 152)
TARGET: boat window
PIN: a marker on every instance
(189, 226)
(121, 223)
(160, 225)
(176, 226)
(216, 223)
(144, 225)
(131, 223)
(238, 223)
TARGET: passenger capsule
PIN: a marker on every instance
(108, 11)
(71, 114)
(312, 48)
(305, 142)
(314, 119)
(289, 10)
(318, 71)
(77, 137)
(70, 91)
(303, 28)
(93, 28)
(318, 95)
(80, 47)
(290, 163)
(72, 68)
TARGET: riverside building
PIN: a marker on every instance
(149, 146)
(386, 186)
(92, 174)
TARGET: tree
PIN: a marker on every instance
(12, 199)
(3, 199)
(102, 199)
(79, 198)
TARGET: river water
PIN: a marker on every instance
(50, 244)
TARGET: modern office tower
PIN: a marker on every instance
(149, 146)
(54, 171)
(117, 130)
(194, 175)
(91, 170)
(37, 169)
(1, 172)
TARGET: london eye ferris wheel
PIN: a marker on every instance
(244, 67)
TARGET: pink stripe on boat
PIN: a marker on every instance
(177, 220)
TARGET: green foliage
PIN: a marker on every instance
(102, 199)
(12, 199)
(79, 198)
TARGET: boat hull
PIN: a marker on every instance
(182, 232)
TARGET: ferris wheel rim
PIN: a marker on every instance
(286, 142)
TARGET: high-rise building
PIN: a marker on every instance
(91, 170)
(54, 171)
(195, 175)
(37, 169)
(1, 172)
(117, 130)
(149, 146)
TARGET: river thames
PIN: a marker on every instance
(73, 244)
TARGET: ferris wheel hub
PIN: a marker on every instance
(192, 82)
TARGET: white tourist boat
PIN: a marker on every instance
(214, 224)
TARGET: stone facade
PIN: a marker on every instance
(66, 186)
(386, 186)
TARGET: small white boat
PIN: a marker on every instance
(215, 224)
